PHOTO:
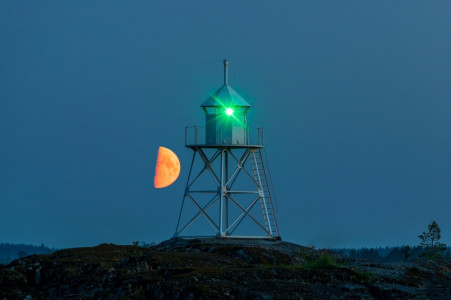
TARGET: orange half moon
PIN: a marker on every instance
(167, 169)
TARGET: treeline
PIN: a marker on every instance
(10, 252)
(390, 254)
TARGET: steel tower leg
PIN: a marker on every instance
(221, 206)
(224, 207)
(184, 194)
(226, 188)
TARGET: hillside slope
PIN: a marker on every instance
(217, 269)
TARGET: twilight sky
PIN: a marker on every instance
(355, 98)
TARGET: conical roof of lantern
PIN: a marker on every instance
(225, 96)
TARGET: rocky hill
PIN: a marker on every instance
(217, 269)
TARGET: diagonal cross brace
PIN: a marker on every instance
(240, 218)
(205, 208)
(247, 213)
(240, 165)
(208, 163)
(243, 161)
(210, 221)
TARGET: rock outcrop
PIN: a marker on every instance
(217, 269)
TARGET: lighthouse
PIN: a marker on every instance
(229, 190)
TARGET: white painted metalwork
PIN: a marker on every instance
(228, 155)
(223, 225)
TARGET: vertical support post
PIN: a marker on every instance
(262, 137)
(224, 205)
(195, 138)
(258, 135)
(221, 203)
(226, 189)
(245, 134)
(226, 75)
(246, 137)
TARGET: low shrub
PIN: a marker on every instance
(324, 261)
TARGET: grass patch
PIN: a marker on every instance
(362, 276)
(324, 261)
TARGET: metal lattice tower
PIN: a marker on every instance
(225, 150)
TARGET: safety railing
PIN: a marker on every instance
(197, 135)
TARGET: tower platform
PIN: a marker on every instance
(224, 146)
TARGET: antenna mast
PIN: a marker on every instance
(226, 74)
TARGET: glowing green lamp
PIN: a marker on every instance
(229, 111)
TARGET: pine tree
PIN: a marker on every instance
(433, 249)
(406, 251)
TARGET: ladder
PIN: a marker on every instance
(258, 170)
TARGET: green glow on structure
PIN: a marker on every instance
(229, 111)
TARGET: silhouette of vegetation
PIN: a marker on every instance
(433, 249)
(10, 252)
(21, 254)
(430, 248)
(389, 254)
(406, 251)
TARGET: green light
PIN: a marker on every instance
(229, 111)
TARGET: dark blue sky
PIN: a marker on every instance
(355, 98)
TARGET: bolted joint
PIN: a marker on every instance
(224, 191)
